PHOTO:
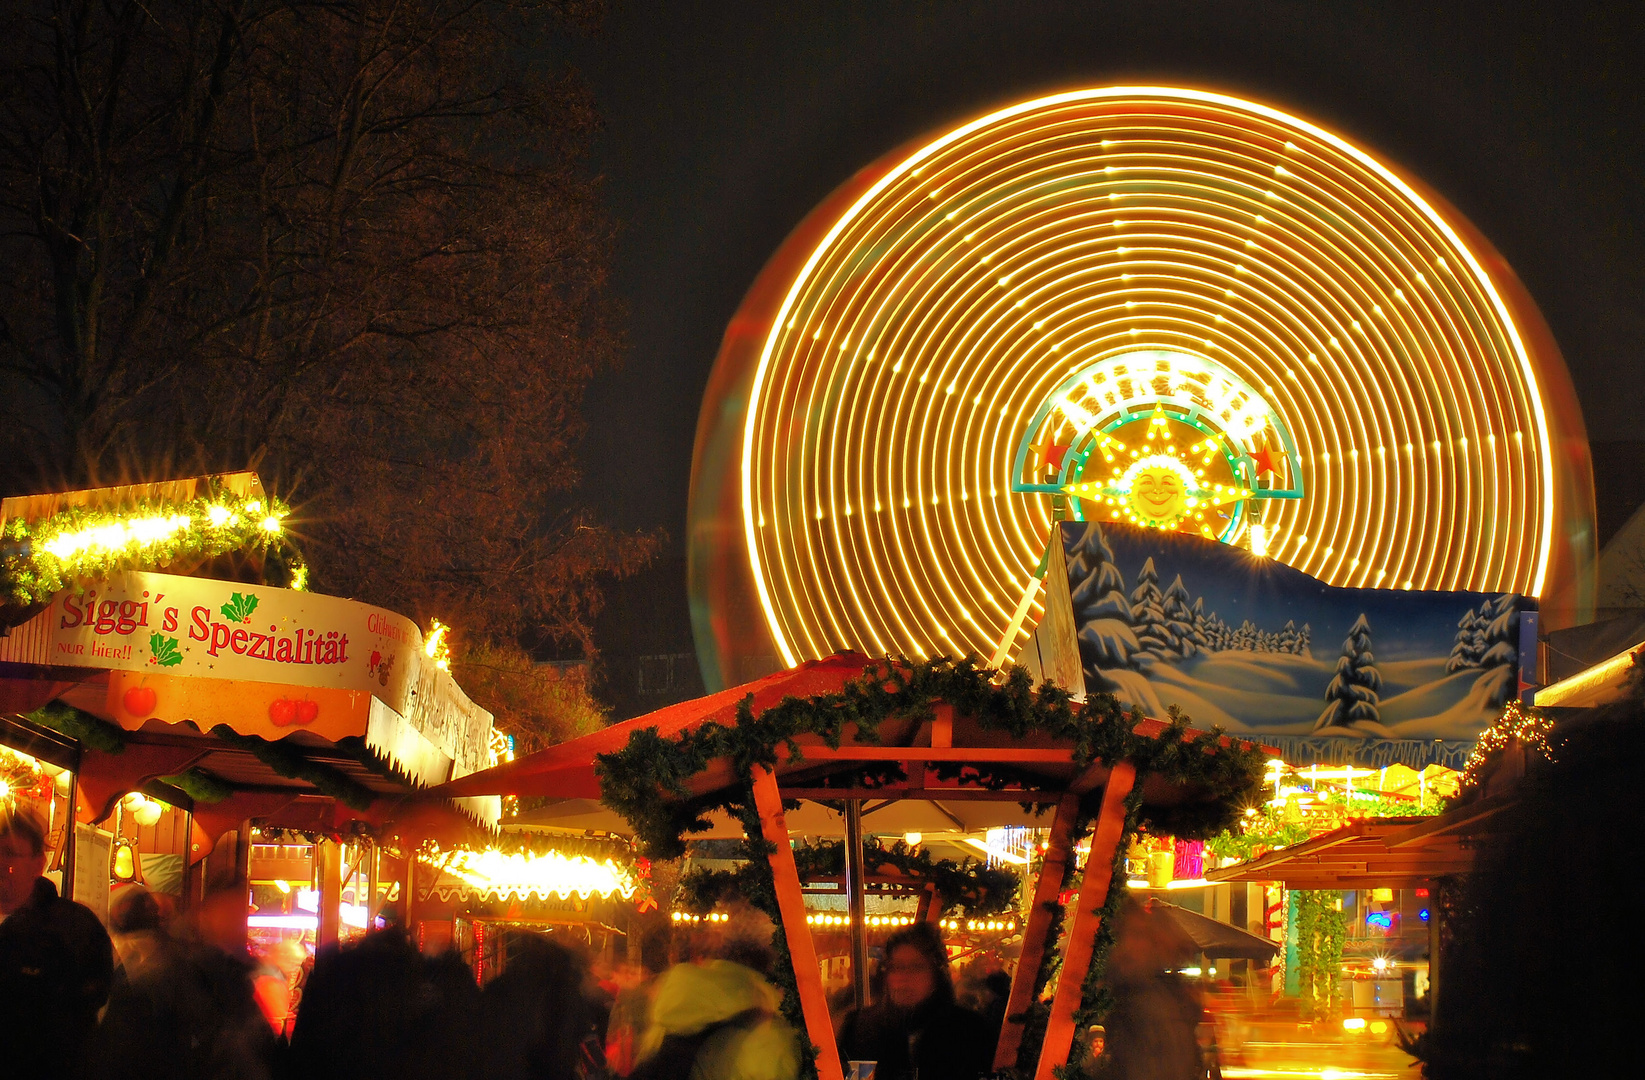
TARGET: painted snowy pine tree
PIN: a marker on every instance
(1216, 633)
(1482, 620)
(1288, 637)
(1466, 651)
(1148, 618)
(1179, 619)
(1101, 612)
(1202, 625)
(1303, 638)
(1500, 653)
(1351, 698)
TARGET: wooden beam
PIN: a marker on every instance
(791, 906)
(928, 794)
(1082, 937)
(1034, 934)
(930, 909)
(942, 738)
(331, 892)
(942, 726)
(1450, 822)
(965, 755)
(1046, 888)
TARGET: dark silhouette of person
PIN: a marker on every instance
(1150, 1030)
(544, 1024)
(917, 1029)
(183, 1010)
(380, 1010)
(56, 960)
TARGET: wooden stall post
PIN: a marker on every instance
(856, 902)
(930, 909)
(1034, 934)
(1076, 957)
(330, 858)
(791, 906)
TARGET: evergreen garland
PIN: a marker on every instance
(971, 886)
(646, 781)
(32, 575)
(292, 763)
(1322, 927)
(89, 730)
(200, 785)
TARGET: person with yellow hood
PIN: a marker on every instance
(717, 1020)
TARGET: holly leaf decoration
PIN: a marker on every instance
(165, 650)
(239, 607)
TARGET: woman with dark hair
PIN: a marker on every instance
(916, 1030)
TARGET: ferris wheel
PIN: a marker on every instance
(1162, 306)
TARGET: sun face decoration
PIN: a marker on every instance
(1159, 490)
(1159, 471)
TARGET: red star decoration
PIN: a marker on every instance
(1051, 455)
(1265, 461)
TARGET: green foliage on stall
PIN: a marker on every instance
(1322, 927)
(89, 730)
(970, 886)
(200, 785)
(291, 763)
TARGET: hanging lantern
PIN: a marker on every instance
(148, 814)
(123, 864)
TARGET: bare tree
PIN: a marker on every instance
(351, 242)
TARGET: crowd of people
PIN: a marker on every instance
(156, 996)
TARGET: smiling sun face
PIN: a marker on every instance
(1158, 490)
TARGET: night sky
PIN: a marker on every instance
(726, 123)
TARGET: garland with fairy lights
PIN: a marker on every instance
(1273, 826)
(79, 545)
(646, 781)
(1527, 727)
(971, 886)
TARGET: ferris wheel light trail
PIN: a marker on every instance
(997, 302)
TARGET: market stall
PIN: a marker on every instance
(163, 665)
(846, 729)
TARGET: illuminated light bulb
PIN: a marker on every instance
(147, 815)
(218, 515)
(271, 524)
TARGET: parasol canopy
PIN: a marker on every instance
(1214, 938)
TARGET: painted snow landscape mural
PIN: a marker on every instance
(1251, 644)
